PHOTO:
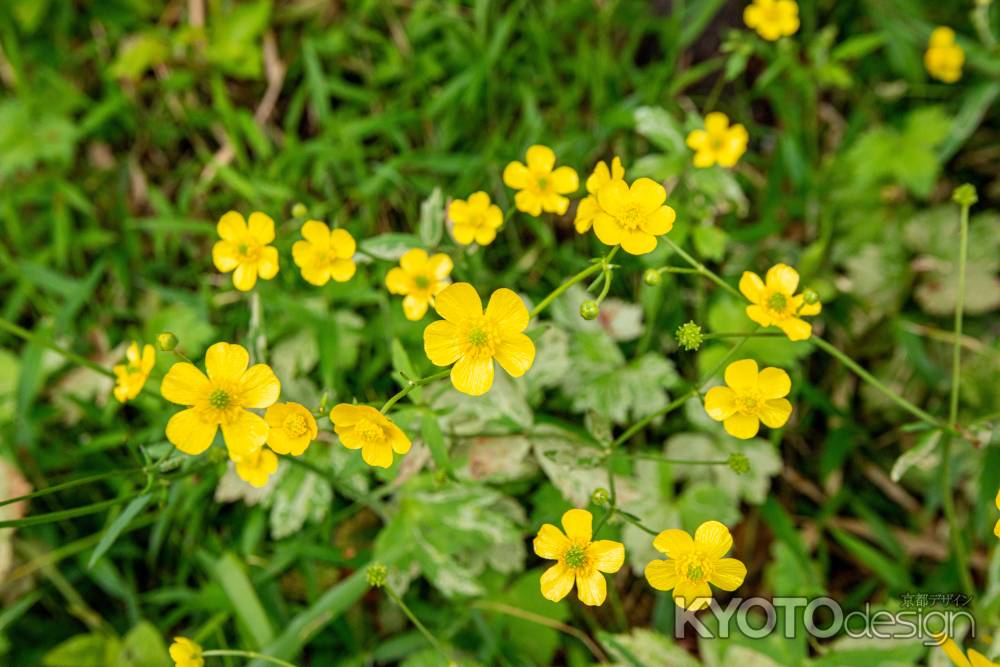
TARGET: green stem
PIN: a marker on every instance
(677, 269)
(744, 334)
(702, 269)
(68, 485)
(413, 384)
(253, 655)
(31, 336)
(416, 621)
(255, 331)
(683, 462)
(589, 271)
(641, 424)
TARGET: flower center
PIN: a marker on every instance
(575, 557)
(543, 183)
(295, 426)
(250, 252)
(481, 338)
(422, 282)
(777, 302)
(748, 403)
(630, 217)
(219, 399)
(695, 568)
(718, 142)
(369, 431)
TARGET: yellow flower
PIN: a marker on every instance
(291, 427)
(951, 649)
(420, 278)
(719, 142)
(541, 187)
(589, 207)
(185, 653)
(471, 339)
(131, 377)
(244, 249)
(633, 216)
(774, 301)
(750, 398)
(996, 528)
(324, 254)
(365, 428)
(944, 58)
(692, 565)
(772, 18)
(257, 467)
(220, 399)
(578, 559)
(475, 220)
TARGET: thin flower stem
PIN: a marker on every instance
(601, 265)
(642, 423)
(677, 269)
(664, 459)
(702, 269)
(585, 639)
(744, 334)
(253, 655)
(255, 331)
(637, 523)
(416, 621)
(47, 342)
(411, 385)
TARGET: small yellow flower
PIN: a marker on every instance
(719, 142)
(185, 653)
(291, 428)
(365, 428)
(221, 399)
(256, 468)
(692, 565)
(996, 527)
(749, 399)
(944, 58)
(244, 249)
(589, 207)
(633, 216)
(324, 254)
(420, 278)
(951, 649)
(471, 339)
(772, 18)
(541, 187)
(131, 377)
(579, 559)
(474, 220)
(774, 302)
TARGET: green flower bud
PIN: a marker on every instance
(965, 195)
(739, 464)
(377, 574)
(652, 277)
(167, 341)
(589, 310)
(689, 336)
(299, 210)
(810, 297)
(600, 497)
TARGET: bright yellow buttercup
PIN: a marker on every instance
(324, 253)
(365, 428)
(772, 19)
(131, 377)
(291, 428)
(589, 207)
(471, 339)
(749, 399)
(474, 220)
(633, 216)
(420, 278)
(185, 653)
(944, 58)
(257, 467)
(692, 565)
(220, 399)
(541, 186)
(719, 143)
(774, 302)
(579, 559)
(954, 653)
(244, 250)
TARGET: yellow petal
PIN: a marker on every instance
(647, 194)
(267, 266)
(613, 197)
(316, 273)
(578, 525)
(515, 354)
(414, 307)
(782, 278)
(795, 328)
(342, 270)
(556, 582)
(716, 123)
(697, 140)
(442, 343)
(232, 227)
(224, 256)
(189, 433)
(808, 309)
(759, 315)
(743, 427)
(259, 387)
(606, 555)
(244, 434)
(226, 361)
(528, 202)
(591, 588)
(752, 16)
(564, 180)
(485, 235)
(397, 439)
(553, 203)
(457, 302)
(598, 178)
(638, 242)
(464, 234)
(775, 412)
(303, 253)
(478, 202)
(607, 229)
(714, 539)
(317, 233)
(773, 383)
(377, 454)
(952, 650)
(704, 159)
(742, 375)
(692, 596)
(998, 499)
(414, 260)
(728, 574)
(674, 542)
(661, 574)
(515, 175)
(342, 243)
(245, 277)
(617, 170)
(397, 281)
(660, 221)
(720, 403)
(345, 414)
(440, 265)
(752, 287)
(184, 384)
(148, 359)
(261, 227)
(550, 542)
(507, 312)
(540, 159)
(472, 376)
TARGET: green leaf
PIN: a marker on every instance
(91, 650)
(389, 247)
(144, 646)
(710, 242)
(646, 648)
(924, 455)
(299, 495)
(657, 125)
(120, 523)
(229, 572)
(431, 227)
(430, 429)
